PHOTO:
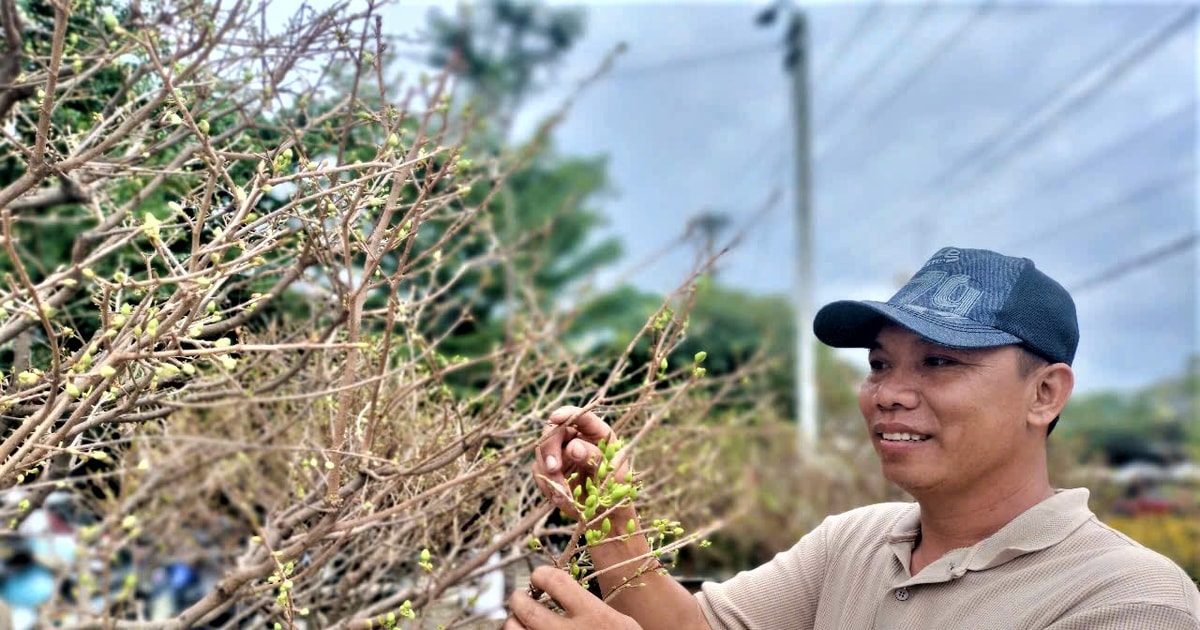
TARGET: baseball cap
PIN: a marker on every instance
(965, 298)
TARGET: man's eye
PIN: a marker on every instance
(939, 361)
(875, 365)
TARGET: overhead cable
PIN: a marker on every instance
(917, 71)
(1126, 267)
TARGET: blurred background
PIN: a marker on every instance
(824, 151)
(1065, 133)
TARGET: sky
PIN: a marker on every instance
(1063, 132)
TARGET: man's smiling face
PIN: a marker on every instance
(947, 420)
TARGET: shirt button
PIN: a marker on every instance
(902, 594)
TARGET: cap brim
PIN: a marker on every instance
(854, 324)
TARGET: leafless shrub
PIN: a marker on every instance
(241, 361)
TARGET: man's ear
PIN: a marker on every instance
(1052, 385)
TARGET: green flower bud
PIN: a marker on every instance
(107, 371)
(701, 356)
(630, 526)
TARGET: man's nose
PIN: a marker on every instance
(897, 389)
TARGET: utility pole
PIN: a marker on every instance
(796, 64)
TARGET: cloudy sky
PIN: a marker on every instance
(1061, 132)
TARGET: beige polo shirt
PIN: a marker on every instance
(1054, 566)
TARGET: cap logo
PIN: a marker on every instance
(944, 255)
(952, 293)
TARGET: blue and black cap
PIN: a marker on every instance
(965, 298)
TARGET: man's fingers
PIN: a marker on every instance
(568, 446)
(530, 614)
(549, 452)
(590, 426)
(512, 624)
(567, 592)
(581, 456)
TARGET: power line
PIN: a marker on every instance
(1118, 146)
(1093, 86)
(885, 56)
(1103, 153)
(853, 36)
(1131, 199)
(933, 55)
(1028, 127)
(747, 167)
(681, 64)
(1125, 267)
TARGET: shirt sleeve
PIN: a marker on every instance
(782, 593)
(1129, 615)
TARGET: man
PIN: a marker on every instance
(970, 366)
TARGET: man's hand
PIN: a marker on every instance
(570, 449)
(584, 611)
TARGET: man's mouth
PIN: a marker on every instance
(903, 437)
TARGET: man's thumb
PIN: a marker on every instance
(583, 454)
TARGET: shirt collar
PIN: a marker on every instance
(1041, 526)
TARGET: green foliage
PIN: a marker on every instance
(1156, 423)
(499, 47)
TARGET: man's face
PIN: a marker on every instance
(947, 420)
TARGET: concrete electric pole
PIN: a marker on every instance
(796, 64)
